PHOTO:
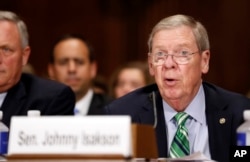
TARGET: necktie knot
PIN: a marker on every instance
(181, 118)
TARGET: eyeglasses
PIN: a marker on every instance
(181, 57)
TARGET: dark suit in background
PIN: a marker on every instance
(219, 104)
(98, 102)
(33, 93)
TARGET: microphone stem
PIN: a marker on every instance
(155, 109)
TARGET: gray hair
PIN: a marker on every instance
(174, 21)
(21, 26)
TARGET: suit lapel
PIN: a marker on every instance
(13, 103)
(147, 117)
(94, 106)
(219, 124)
(161, 128)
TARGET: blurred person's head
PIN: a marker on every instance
(14, 49)
(72, 62)
(178, 56)
(129, 77)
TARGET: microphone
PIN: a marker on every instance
(155, 109)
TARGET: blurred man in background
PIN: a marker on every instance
(73, 63)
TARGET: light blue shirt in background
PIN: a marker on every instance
(196, 125)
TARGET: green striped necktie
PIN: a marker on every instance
(180, 143)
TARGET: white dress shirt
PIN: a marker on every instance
(82, 106)
(2, 97)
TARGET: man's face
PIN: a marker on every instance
(72, 65)
(12, 55)
(178, 82)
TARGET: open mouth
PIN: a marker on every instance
(170, 81)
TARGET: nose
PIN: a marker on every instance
(169, 61)
(71, 66)
(126, 88)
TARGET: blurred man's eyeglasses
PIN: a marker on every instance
(180, 58)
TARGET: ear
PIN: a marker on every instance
(150, 65)
(205, 56)
(93, 69)
(26, 55)
(51, 71)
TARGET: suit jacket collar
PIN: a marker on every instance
(14, 95)
(96, 105)
(13, 103)
(218, 121)
(149, 117)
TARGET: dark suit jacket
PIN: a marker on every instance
(98, 102)
(220, 104)
(33, 93)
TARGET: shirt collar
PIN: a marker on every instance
(83, 104)
(196, 109)
(2, 97)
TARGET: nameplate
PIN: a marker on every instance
(70, 135)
